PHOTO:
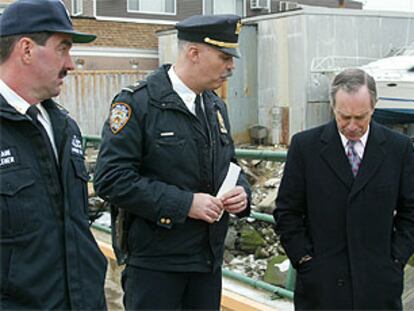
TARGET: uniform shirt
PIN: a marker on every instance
(187, 95)
(359, 145)
(18, 103)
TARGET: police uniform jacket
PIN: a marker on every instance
(47, 249)
(154, 156)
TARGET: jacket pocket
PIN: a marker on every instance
(168, 152)
(140, 237)
(18, 203)
(80, 190)
(170, 143)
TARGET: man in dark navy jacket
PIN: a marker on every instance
(166, 150)
(49, 258)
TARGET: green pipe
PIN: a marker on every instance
(101, 228)
(268, 155)
(262, 217)
(90, 138)
(291, 278)
(258, 284)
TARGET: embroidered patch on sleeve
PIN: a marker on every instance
(76, 148)
(119, 116)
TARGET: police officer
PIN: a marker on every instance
(49, 258)
(165, 152)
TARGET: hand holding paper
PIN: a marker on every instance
(230, 180)
(234, 197)
(235, 201)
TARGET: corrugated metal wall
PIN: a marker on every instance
(87, 95)
(291, 97)
(242, 87)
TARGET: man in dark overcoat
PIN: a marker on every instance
(345, 208)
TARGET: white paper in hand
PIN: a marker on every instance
(229, 182)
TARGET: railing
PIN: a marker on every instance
(268, 155)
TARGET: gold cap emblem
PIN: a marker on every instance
(238, 27)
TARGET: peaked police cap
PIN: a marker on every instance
(219, 31)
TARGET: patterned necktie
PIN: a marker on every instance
(200, 113)
(353, 157)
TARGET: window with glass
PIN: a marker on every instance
(223, 7)
(2, 7)
(77, 7)
(152, 6)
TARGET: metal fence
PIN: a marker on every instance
(87, 95)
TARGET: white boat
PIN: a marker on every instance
(394, 77)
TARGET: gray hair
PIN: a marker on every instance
(350, 81)
(8, 43)
(182, 44)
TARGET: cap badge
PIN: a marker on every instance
(238, 27)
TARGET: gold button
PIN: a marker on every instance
(162, 220)
(167, 221)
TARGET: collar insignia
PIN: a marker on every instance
(223, 129)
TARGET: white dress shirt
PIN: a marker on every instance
(187, 95)
(359, 145)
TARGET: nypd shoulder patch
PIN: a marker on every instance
(119, 116)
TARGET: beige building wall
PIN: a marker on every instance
(120, 34)
(119, 45)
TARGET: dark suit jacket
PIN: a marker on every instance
(354, 228)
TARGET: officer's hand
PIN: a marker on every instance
(235, 201)
(205, 207)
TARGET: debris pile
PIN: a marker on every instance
(252, 246)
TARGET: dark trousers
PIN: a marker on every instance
(160, 290)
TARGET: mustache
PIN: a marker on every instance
(63, 73)
(227, 74)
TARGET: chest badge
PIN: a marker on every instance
(222, 125)
(119, 116)
(8, 157)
